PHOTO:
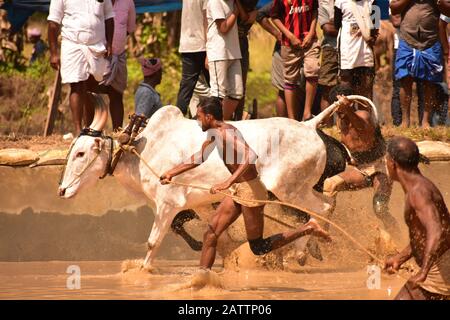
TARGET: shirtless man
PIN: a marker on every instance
(244, 182)
(428, 221)
(362, 138)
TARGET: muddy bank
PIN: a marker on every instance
(105, 223)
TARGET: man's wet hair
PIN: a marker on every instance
(404, 152)
(340, 89)
(212, 106)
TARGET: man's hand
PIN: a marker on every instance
(165, 178)
(55, 61)
(295, 42)
(416, 280)
(279, 36)
(392, 264)
(307, 42)
(108, 53)
(345, 104)
(219, 187)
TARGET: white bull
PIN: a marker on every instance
(291, 160)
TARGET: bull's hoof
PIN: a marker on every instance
(301, 259)
(314, 250)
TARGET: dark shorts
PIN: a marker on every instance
(360, 76)
(329, 67)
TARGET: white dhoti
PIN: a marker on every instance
(78, 61)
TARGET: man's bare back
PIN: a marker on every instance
(228, 138)
(425, 194)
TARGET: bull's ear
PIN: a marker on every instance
(98, 146)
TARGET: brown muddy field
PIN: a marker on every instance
(41, 236)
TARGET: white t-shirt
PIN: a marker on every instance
(81, 21)
(354, 50)
(193, 33)
(221, 46)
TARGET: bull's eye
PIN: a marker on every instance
(80, 154)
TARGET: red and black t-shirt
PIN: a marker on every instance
(296, 16)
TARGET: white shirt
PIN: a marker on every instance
(354, 50)
(221, 46)
(82, 21)
(193, 33)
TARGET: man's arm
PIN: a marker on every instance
(312, 31)
(249, 157)
(443, 38)
(359, 120)
(131, 24)
(195, 160)
(225, 25)
(397, 6)
(329, 29)
(267, 25)
(394, 263)
(53, 32)
(444, 7)
(109, 32)
(422, 203)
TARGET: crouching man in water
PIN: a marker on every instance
(363, 139)
(428, 221)
(244, 182)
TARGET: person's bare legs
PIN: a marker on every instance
(227, 212)
(76, 101)
(292, 105)
(405, 100)
(325, 104)
(116, 108)
(88, 110)
(254, 227)
(311, 88)
(281, 104)
(430, 94)
(229, 105)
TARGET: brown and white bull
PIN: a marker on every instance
(292, 158)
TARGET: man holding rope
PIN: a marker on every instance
(361, 136)
(428, 221)
(243, 183)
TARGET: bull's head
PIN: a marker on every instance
(88, 157)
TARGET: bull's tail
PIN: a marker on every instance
(314, 122)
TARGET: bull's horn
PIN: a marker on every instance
(101, 112)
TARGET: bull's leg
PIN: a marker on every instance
(178, 227)
(317, 203)
(163, 217)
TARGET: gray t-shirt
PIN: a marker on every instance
(193, 33)
(146, 100)
(325, 15)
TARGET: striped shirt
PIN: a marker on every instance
(296, 15)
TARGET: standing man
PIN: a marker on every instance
(192, 49)
(329, 65)
(87, 29)
(244, 182)
(428, 221)
(362, 137)
(116, 78)
(358, 36)
(224, 55)
(419, 54)
(297, 21)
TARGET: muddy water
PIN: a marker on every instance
(41, 236)
(103, 280)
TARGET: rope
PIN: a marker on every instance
(133, 150)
